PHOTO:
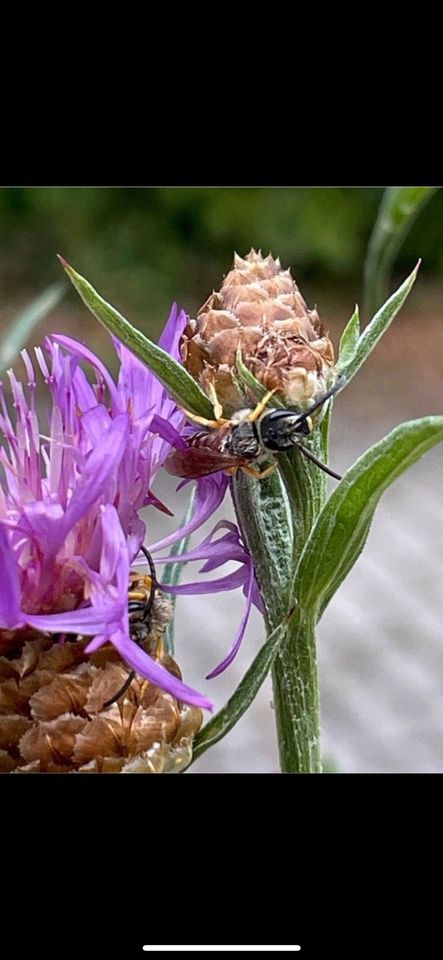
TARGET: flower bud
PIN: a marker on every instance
(260, 310)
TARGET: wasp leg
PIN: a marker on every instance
(261, 407)
(160, 648)
(203, 421)
(137, 594)
(260, 475)
(219, 419)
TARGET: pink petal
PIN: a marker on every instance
(230, 582)
(239, 636)
(143, 664)
(210, 493)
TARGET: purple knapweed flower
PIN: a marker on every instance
(69, 524)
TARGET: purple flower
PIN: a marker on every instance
(70, 502)
(106, 618)
(69, 524)
(155, 421)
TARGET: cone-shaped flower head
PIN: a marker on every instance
(260, 310)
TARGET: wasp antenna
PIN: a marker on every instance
(338, 385)
(310, 456)
(122, 690)
(154, 581)
(147, 607)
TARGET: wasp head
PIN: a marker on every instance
(282, 429)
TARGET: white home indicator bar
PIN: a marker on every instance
(286, 949)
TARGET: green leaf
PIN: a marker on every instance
(349, 338)
(179, 383)
(172, 572)
(324, 428)
(248, 380)
(23, 325)
(225, 720)
(341, 529)
(398, 210)
(376, 328)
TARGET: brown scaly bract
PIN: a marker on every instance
(52, 718)
(259, 308)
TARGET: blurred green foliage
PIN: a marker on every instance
(142, 248)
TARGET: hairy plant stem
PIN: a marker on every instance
(275, 516)
(296, 701)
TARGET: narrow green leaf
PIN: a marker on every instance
(376, 328)
(341, 529)
(349, 338)
(225, 720)
(179, 383)
(399, 208)
(324, 428)
(247, 377)
(248, 380)
(172, 572)
(22, 327)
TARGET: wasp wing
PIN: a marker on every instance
(195, 462)
(204, 454)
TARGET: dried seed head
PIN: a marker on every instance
(52, 718)
(260, 310)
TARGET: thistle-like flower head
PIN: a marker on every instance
(70, 496)
(259, 310)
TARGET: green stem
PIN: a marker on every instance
(296, 701)
(265, 522)
(275, 517)
(172, 572)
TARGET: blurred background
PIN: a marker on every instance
(381, 640)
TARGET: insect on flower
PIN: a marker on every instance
(249, 437)
(141, 596)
